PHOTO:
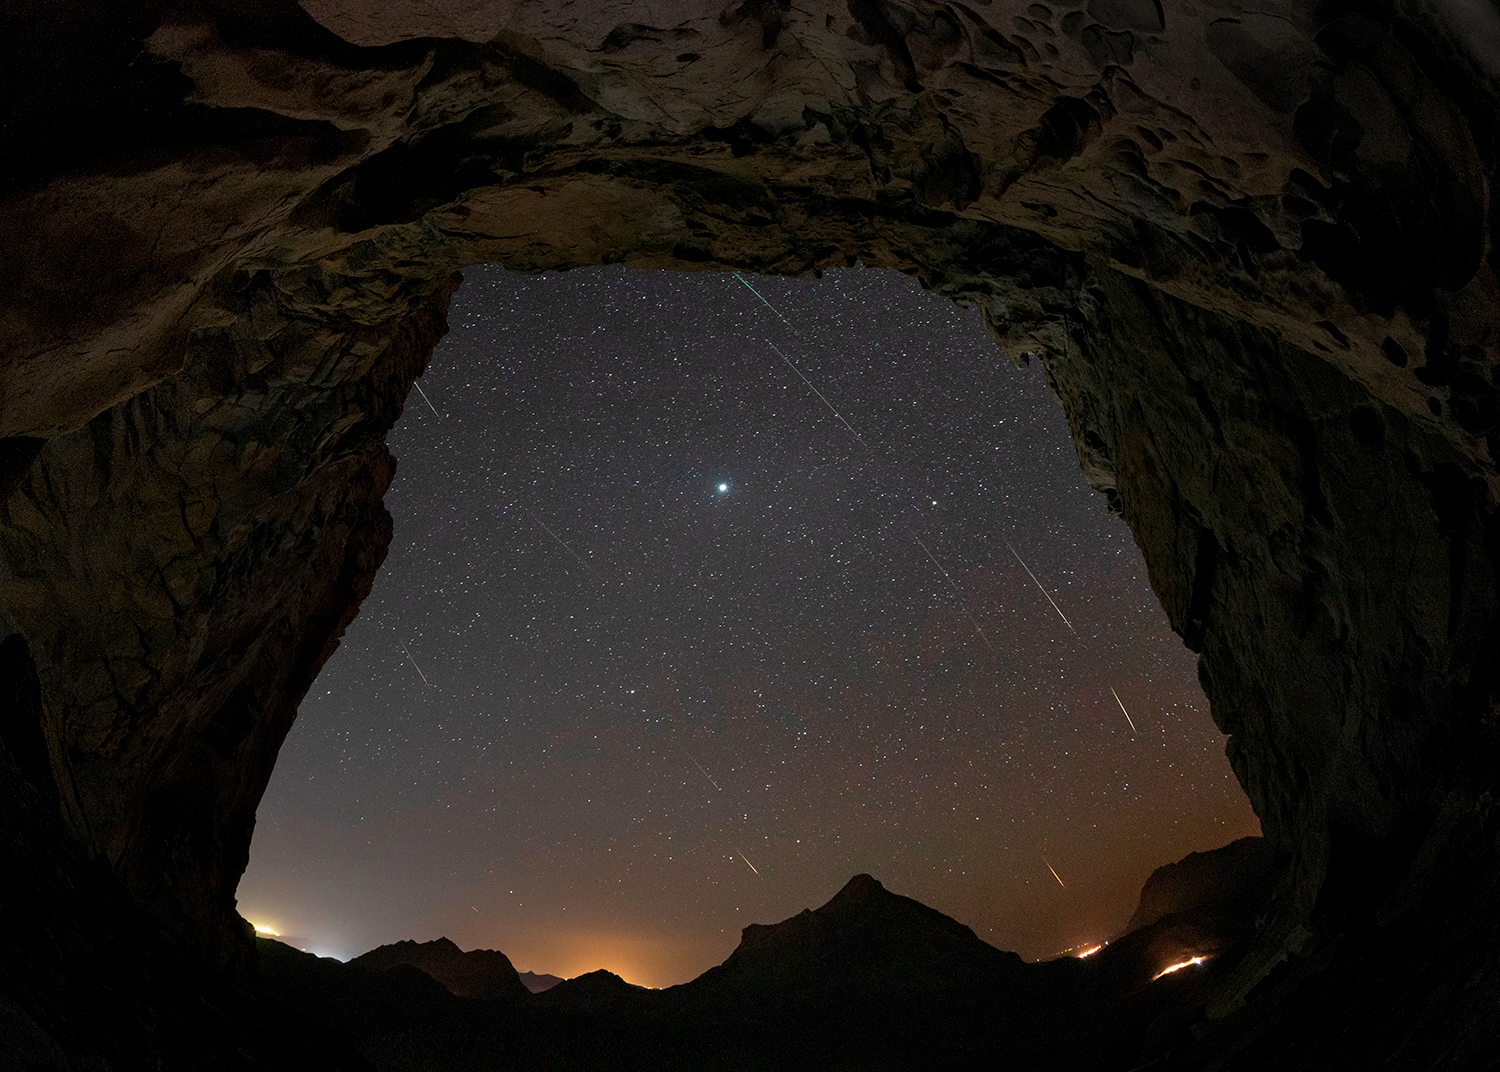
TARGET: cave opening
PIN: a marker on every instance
(698, 605)
(1258, 250)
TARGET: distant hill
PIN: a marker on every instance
(482, 973)
(595, 992)
(537, 983)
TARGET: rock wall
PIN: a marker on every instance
(178, 570)
(1255, 248)
(1333, 561)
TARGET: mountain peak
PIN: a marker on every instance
(539, 982)
(480, 973)
(860, 886)
(403, 952)
(863, 934)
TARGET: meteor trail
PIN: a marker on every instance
(795, 369)
(556, 538)
(564, 546)
(1122, 708)
(748, 864)
(840, 417)
(1054, 873)
(944, 572)
(819, 393)
(767, 304)
(1055, 607)
(710, 777)
(415, 667)
(423, 393)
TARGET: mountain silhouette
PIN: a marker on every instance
(480, 973)
(539, 982)
(870, 980)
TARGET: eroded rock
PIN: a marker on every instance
(182, 566)
(1256, 250)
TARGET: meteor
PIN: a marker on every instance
(564, 546)
(556, 539)
(1055, 607)
(1122, 708)
(1054, 873)
(767, 304)
(710, 777)
(423, 393)
(798, 371)
(748, 864)
(819, 393)
(944, 572)
(417, 668)
(865, 443)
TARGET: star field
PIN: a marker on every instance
(693, 612)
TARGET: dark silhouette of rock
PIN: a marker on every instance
(865, 949)
(267, 519)
(91, 981)
(1238, 877)
(538, 982)
(479, 973)
(1255, 250)
(871, 980)
(595, 992)
(398, 1017)
(869, 977)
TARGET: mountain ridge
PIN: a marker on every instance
(870, 979)
(479, 973)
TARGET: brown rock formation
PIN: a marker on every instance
(1255, 247)
(181, 567)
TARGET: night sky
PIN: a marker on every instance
(664, 647)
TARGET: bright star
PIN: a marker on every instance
(723, 488)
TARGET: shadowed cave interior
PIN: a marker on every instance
(1254, 252)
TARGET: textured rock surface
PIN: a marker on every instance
(1331, 558)
(182, 566)
(1255, 247)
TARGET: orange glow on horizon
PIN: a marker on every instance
(1092, 950)
(642, 959)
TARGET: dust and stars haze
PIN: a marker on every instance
(662, 649)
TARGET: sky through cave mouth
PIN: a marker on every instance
(671, 640)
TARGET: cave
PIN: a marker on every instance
(1254, 250)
